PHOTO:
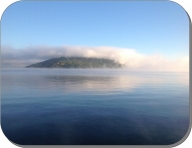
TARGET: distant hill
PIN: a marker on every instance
(76, 62)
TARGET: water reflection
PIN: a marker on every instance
(97, 83)
(83, 80)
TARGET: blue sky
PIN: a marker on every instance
(147, 27)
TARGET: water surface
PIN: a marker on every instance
(94, 106)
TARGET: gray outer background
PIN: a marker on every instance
(135, 146)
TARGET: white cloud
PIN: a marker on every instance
(133, 60)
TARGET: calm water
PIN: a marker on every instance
(84, 106)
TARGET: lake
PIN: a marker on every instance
(93, 106)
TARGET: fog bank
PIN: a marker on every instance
(130, 58)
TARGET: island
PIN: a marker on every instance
(76, 62)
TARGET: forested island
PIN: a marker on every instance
(76, 62)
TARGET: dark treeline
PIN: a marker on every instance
(76, 62)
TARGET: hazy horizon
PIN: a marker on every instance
(130, 58)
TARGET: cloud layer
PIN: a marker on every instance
(133, 60)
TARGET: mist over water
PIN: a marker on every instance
(129, 58)
(94, 106)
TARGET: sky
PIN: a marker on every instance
(142, 35)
